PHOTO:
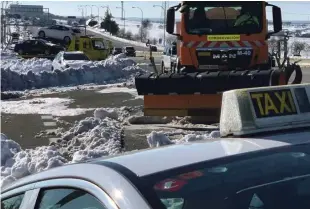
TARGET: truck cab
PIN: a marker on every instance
(94, 48)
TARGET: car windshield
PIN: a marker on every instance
(226, 18)
(75, 57)
(118, 49)
(97, 44)
(130, 48)
(272, 180)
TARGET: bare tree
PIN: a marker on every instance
(298, 47)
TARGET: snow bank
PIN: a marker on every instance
(134, 43)
(160, 138)
(90, 138)
(24, 74)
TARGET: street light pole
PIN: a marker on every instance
(124, 17)
(98, 12)
(141, 20)
(91, 10)
(164, 22)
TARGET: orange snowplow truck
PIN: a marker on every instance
(221, 46)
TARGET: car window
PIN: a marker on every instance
(54, 27)
(67, 198)
(64, 28)
(12, 202)
(97, 44)
(130, 48)
(279, 180)
(27, 42)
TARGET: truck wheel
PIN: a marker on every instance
(41, 34)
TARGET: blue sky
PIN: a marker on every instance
(291, 10)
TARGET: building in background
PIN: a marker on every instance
(26, 10)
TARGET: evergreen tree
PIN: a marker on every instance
(108, 24)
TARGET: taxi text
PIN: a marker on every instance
(273, 103)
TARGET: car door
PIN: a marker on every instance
(72, 194)
(27, 46)
(54, 32)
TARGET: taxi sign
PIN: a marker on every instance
(254, 110)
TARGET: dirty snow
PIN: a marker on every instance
(92, 137)
(49, 106)
(36, 73)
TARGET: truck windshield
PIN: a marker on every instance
(98, 44)
(223, 18)
(270, 180)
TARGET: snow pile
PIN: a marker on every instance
(36, 73)
(160, 138)
(134, 43)
(90, 138)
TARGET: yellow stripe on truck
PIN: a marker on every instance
(223, 37)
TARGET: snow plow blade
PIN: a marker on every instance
(205, 82)
(197, 94)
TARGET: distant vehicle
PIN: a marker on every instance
(37, 47)
(225, 173)
(154, 48)
(15, 37)
(60, 32)
(65, 60)
(129, 51)
(116, 51)
(169, 58)
(94, 48)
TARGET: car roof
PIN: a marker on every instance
(161, 158)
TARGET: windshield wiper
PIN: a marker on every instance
(225, 17)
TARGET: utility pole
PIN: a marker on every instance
(123, 14)
(165, 9)
(122, 6)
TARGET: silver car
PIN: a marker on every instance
(228, 173)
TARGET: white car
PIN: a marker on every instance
(65, 60)
(227, 173)
(60, 32)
